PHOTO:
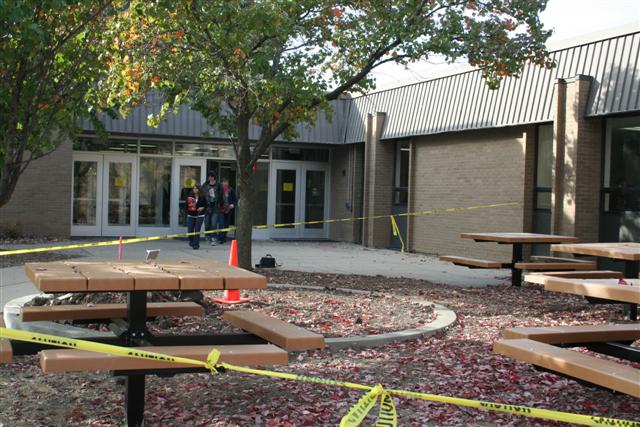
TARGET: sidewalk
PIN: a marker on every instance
(321, 257)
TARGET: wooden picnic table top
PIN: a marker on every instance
(122, 276)
(518, 237)
(609, 289)
(628, 251)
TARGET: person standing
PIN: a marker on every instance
(227, 203)
(211, 190)
(195, 205)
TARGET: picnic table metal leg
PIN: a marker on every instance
(631, 272)
(134, 400)
(137, 332)
(516, 274)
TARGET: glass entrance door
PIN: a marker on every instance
(86, 209)
(314, 195)
(189, 172)
(120, 197)
(154, 196)
(298, 194)
(286, 202)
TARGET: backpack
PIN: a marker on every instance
(267, 261)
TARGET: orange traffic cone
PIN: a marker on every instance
(232, 296)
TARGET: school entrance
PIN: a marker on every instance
(132, 187)
(127, 195)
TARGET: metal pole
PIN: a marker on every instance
(631, 272)
(516, 274)
(134, 400)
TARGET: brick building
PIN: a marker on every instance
(564, 144)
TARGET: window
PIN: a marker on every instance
(401, 175)
(297, 153)
(544, 167)
(156, 147)
(196, 150)
(117, 145)
(621, 183)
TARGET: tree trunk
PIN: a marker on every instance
(11, 168)
(246, 192)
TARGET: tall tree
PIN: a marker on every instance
(49, 62)
(275, 64)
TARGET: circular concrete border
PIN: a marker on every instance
(444, 318)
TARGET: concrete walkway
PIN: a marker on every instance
(322, 257)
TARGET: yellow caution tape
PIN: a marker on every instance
(360, 410)
(387, 415)
(511, 409)
(396, 232)
(258, 227)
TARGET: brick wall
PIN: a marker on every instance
(347, 164)
(41, 202)
(466, 169)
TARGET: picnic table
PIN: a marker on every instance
(550, 347)
(628, 252)
(136, 279)
(517, 240)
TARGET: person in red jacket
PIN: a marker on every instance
(195, 205)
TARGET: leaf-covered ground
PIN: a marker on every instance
(330, 313)
(458, 362)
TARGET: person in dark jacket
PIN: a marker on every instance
(195, 205)
(211, 191)
(226, 206)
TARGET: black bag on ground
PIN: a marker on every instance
(267, 261)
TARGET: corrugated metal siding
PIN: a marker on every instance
(452, 103)
(189, 123)
(464, 102)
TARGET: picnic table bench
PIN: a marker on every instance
(81, 360)
(540, 278)
(283, 334)
(544, 347)
(136, 279)
(473, 262)
(84, 312)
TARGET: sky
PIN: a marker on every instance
(568, 19)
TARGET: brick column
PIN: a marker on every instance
(411, 203)
(378, 183)
(577, 162)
